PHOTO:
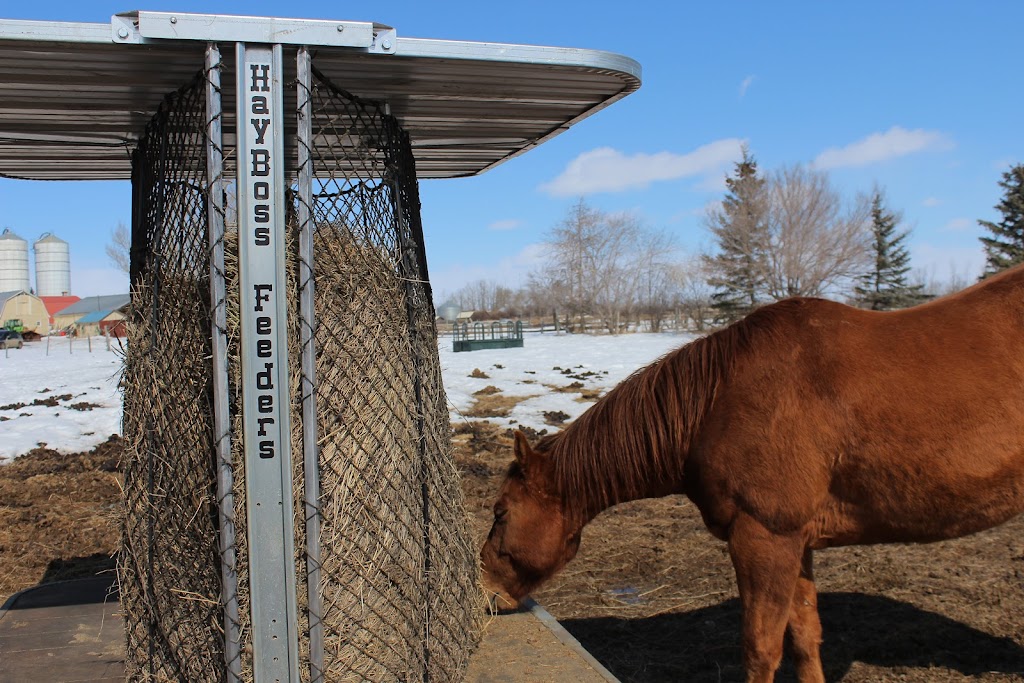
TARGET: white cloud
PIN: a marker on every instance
(714, 182)
(609, 170)
(895, 142)
(932, 201)
(745, 85)
(958, 224)
(507, 224)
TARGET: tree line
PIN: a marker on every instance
(777, 235)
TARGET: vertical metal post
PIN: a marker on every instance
(307, 329)
(264, 346)
(218, 332)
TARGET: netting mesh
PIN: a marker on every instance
(397, 573)
(168, 567)
(384, 445)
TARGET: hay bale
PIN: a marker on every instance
(168, 565)
(389, 565)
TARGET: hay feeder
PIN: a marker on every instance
(291, 509)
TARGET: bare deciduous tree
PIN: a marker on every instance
(615, 272)
(936, 285)
(489, 296)
(601, 264)
(694, 293)
(656, 287)
(120, 248)
(583, 251)
(818, 244)
(545, 294)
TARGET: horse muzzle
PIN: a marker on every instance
(498, 599)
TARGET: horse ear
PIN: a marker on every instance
(524, 454)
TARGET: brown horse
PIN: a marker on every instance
(806, 425)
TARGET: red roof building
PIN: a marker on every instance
(57, 303)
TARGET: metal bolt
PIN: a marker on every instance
(174, 20)
(122, 33)
(386, 45)
(341, 27)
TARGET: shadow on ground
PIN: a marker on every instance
(67, 582)
(65, 569)
(871, 629)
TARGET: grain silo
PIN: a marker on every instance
(13, 263)
(449, 311)
(53, 266)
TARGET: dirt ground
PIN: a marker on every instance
(651, 594)
(58, 516)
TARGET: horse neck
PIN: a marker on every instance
(633, 443)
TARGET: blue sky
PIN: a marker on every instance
(922, 98)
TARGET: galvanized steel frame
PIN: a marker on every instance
(264, 355)
(222, 418)
(442, 92)
(307, 332)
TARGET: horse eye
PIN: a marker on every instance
(500, 514)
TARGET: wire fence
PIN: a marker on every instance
(382, 544)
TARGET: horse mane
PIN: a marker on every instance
(633, 442)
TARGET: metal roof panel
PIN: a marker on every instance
(74, 100)
(108, 302)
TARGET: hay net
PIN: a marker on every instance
(397, 572)
(168, 565)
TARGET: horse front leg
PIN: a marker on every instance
(805, 624)
(767, 567)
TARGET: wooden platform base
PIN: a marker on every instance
(72, 632)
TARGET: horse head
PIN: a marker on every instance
(532, 536)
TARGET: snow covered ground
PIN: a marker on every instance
(64, 397)
(67, 397)
(546, 361)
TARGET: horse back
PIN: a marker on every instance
(865, 426)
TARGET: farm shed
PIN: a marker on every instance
(282, 387)
(92, 306)
(112, 323)
(24, 307)
(55, 304)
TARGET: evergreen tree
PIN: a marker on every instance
(885, 287)
(1005, 247)
(739, 270)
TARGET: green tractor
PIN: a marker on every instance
(14, 325)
